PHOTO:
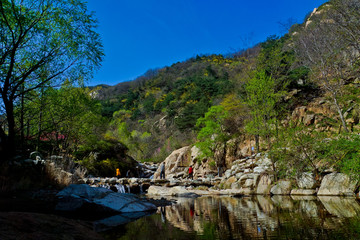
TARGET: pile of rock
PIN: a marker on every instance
(247, 176)
(254, 175)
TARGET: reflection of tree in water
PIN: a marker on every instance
(248, 218)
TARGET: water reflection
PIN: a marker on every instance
(258, 217)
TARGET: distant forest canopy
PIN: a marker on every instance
(207, 100)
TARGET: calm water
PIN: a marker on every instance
(278, 217)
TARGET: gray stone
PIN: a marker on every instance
(282, 187)
(228, 173)
(260, 169)
(306, 180)
(239, 175)
(337, 184)
(264, 161)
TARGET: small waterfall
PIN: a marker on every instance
(128, 187)
(120, 188)
(141, 189)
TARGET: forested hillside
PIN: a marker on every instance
(208, 100)
(211, 99)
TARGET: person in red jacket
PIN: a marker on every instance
(191, 172)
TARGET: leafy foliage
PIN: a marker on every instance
(261, 99)
(212, 132)
(43, 43)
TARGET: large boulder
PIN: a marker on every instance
(337, 184)
(283, 187)
(175, 163)
(306, 180)
(83, 197)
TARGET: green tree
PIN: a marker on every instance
(296, 150)
(42, 43)
(64, 118)
(261, 99)
(343, 153)
(213, 134)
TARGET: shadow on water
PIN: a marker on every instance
(258, 217)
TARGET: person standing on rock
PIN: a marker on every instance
(162, 172)
(191, 172)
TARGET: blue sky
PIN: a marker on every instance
(142, 34)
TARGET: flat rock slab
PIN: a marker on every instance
(303, 192)
(183, 192)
